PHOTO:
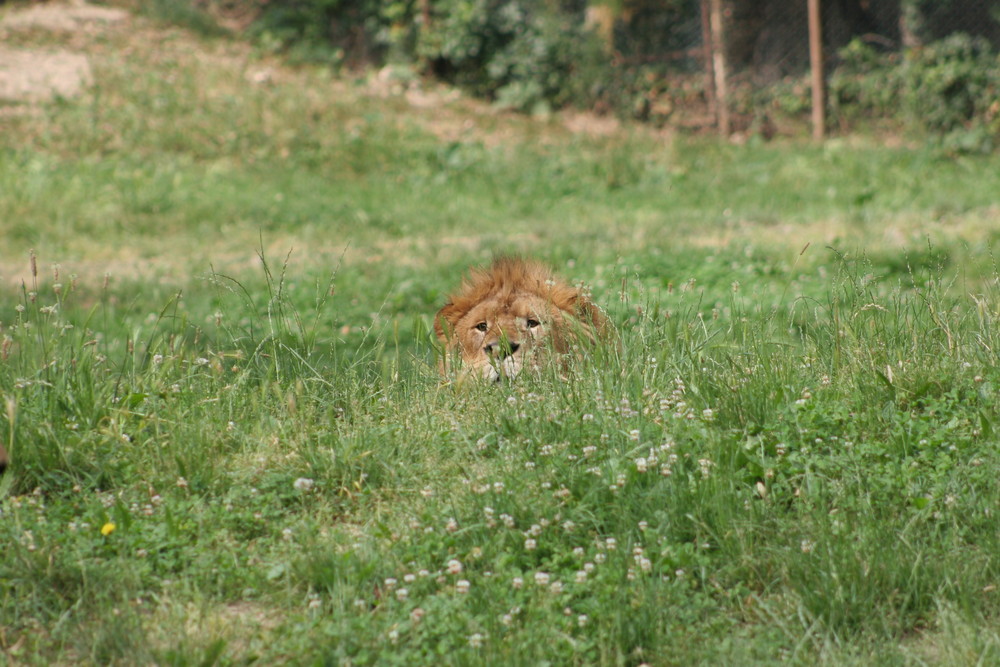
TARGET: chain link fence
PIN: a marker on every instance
(761, 48)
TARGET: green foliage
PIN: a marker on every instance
(334, 31)
(523, 55)
(948, 88)
(188, 14)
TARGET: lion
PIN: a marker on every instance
(514, 315)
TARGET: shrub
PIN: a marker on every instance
(334, 31)
(950, 83)
(523, 55)
(948, 88)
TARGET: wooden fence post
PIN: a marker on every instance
(816, 64)
(719, 65)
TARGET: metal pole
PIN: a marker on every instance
(816, 63)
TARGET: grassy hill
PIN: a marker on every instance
(230, 444)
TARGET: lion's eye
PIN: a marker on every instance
(482, 326)
(533, 323)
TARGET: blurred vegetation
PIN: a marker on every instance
(925, 68)
(949, 89)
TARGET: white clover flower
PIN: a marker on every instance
(286, 534)
(452, 525)
(402, 594)
(417, 614)
(641, 464)
(589, 567)
(530, 544)
(611, 543)
(476, 640)
(390, 583)
(409, 578)
(599, 558)
(454, 566)
(807, 546)
(634, 435)
(542, 578)
(517, 582)
(303, 484)
(462, 586)
(581, 576)
(556, 587)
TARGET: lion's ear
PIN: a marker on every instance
(587, 315)
(591, 314)
(445, 321)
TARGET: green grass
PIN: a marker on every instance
(235, 448)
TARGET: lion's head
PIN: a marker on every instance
(514, 315)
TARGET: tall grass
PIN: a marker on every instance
(226, 451)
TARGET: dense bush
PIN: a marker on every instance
(335, 31)
(949, 88)
(522, 54)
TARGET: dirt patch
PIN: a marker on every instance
(35, 75)
(60, 17)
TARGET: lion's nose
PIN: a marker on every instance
(502, 349)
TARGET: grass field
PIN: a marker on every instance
(230, 445)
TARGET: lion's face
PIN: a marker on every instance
(513, 316)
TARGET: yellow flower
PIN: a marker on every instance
(107, 529)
